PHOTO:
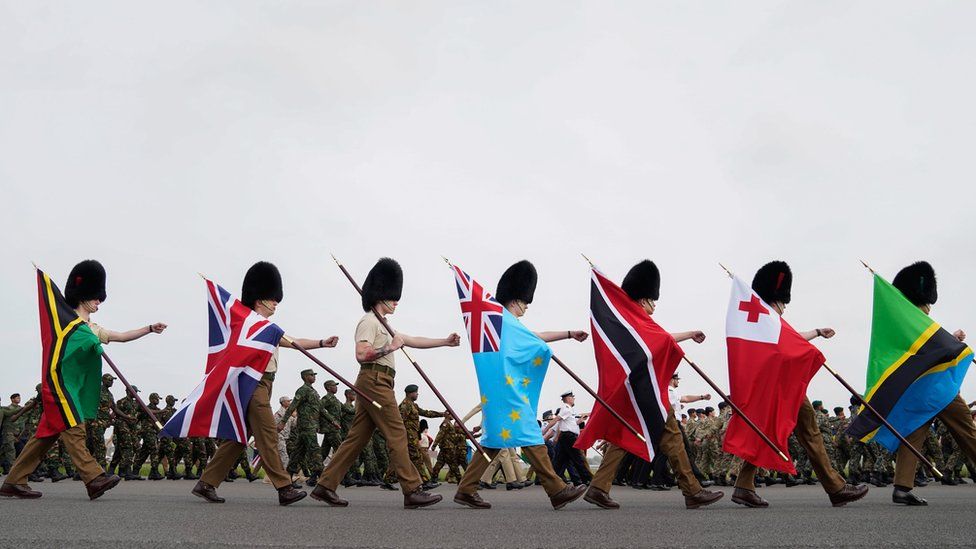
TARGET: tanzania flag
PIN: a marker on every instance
(510, 362)
(915, 368)
(71, 363)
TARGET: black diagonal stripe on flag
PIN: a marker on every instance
(622, 342)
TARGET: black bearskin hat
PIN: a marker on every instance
(773, 282)
(517, 283)
(917, 282)
(262, 281)
(86, 281)
(383, 283)
(643, 281)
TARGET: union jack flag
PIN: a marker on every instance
(241, 344)
(482, 314)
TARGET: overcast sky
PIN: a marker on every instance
(181, 137)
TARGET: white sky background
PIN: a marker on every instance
(181, 137)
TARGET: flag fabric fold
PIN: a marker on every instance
(770, 367)
(915, 368)
(635, 360)
(241, 344)
(71, 363)
(510, 362)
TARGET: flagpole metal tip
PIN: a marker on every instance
(36, 268)
(159, 426)
(782, 455)
(334, 258)
(377, 404)
(642, 439)
(588, 260)
(448, 261)
(726, 269)
(487, 458)
(866, 266)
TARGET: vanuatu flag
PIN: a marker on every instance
(510, 362)
(71, 363)
(915, 368)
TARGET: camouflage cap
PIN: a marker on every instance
(154, 395)
(308, 372)
(106, 377)
(331, 382)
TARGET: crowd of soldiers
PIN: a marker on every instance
(704, 430)
(306, 416)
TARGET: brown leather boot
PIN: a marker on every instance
(749, 498)
(473, 501)
(21, 491)
(101, 484)
(567, 495)
(600, 498)
(702, 498)
(207, 492)
(848, 494)
(321, 493)
(418, 498)
(289, 495)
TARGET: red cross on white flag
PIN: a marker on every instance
(749, 317)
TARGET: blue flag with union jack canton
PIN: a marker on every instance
(241, 344)
(510, 362)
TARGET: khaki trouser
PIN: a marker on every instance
(538, 459)
(379, 386)
(671, 444)
(260, 422)
(957, 419)
(36, 449)
(809, 436)
(508, 460)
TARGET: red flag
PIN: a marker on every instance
(635, 358)
(770, 366)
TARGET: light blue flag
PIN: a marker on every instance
(510, 381)
(510, 362)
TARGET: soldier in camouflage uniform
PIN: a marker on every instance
(447, 442)
(353, 476)
(708, 443)
(32, 417)
(127, 438)
(329, 419)
(823, 423)
(377, 461)
(95, 429)
(167, 446)
(726, 465)
(305, 453)
(11, 430)
(952, 468)
(842, 443)
(411, 414)
(149, 446)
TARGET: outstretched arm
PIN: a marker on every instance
(549, 337)
(418, 342)
(697, 335)
(133, 335)
(306, 343)
(825, 333)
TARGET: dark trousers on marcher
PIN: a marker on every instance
(570, 458)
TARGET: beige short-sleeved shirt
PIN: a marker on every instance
(273, 363)
(372, 331)
(100, 333)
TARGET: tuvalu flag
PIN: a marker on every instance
(915, 368)
(71, 363)
(510, 362)
(770, 367)
(635, 359)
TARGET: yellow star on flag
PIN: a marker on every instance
(509, 380)
(506, 434)
(515, 416)
(525, 399)
(484, 399)
(526, 381)
(537, 361)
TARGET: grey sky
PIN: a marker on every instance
(166, 139)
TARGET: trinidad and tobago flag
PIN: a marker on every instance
(71, 363)
(635, 358)
(242, 343)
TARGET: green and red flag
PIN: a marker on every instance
(71, 363)
(915, 368)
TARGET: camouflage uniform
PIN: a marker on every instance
(842, 445)
(10, 434)
(346, 414)
(411, 413)
(95, 429)
(376, 460)
(303, 454)
(708, 450)
(126, 437)
(827, 433)
(149, 448)
(953, 455)
(330, 415)
(166, 447)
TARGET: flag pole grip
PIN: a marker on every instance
(737, 410)
(884, 421)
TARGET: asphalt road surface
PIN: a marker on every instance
(164, 514)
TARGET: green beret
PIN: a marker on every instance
(410, 389)
(308, 372)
